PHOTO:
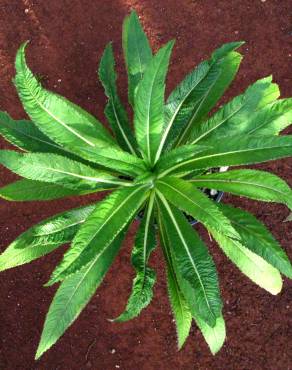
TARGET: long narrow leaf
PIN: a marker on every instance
(214, 336)
(56, 169)
(272, 119)
(115, 112)
(259, 185)
(69, 125)
(180, 309)
(185, 102)
(226, 68)
(73, 295)
(186, 197)
(61, 120)
(115, 159)
(44, 237)
(149, 104)
(25, 135)
(256, 237)
(252, 265)
(137, 52)
(31, 190)
(182, 101)
(234, 117)
(108, 219)
(145, 243)
(177, 155)
(233, 152)
(193, 265)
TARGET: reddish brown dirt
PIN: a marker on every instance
(67, 39)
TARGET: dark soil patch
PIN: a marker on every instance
(67, 40)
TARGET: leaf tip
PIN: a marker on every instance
(40, 351)
(50, 282)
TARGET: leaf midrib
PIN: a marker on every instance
(149, 109)
(186, 247)
(191, 200)
(220, 154)
(225, 119)
(52, 115)
(146, 235)
(93, 179)
(174, 116)
(107, 220)
(228, 181)
(64, 309)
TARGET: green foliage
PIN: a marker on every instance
(114, 111)
(137, 52)
(149, 104)
(159, 170)
(44, 237)
(145, 243)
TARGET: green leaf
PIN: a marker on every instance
(115, 112)
(256, 237)
(73, 295)
(105, 223)
(149, 104)
(182, 102)
(180, 309)
(224, 71)
(193, 265)
(234, 117)
(61, 120)
(30, 190)
(44, 237)
(115, 159)
(185, 103)
(26, 136)
(56, 169)
(145, 243)
(69, 125)
(229, 62)
(272, 119)
(137, 52)
(234, 152)
(188, 198)
(177, 155)
(249, 263)
(259, 185)
(214, 336)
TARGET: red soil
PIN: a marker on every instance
(67, 40)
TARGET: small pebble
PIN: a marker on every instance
(26, 11)
(213, 192)
(59, 80)
(113, 351)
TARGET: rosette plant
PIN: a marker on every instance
(159, 169)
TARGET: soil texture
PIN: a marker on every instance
(67, 39)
